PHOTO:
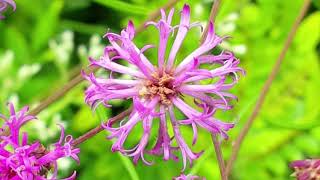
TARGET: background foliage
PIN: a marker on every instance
(45, 42)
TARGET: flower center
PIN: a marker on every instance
(161, 85)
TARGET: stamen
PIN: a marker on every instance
(162, 86)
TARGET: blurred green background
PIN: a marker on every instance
(45, 42)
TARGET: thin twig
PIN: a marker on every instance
(213, 13)
(99, 128)
(59, 93)
(78, 79)
(266, 87)
(216, 143)
(219, 156)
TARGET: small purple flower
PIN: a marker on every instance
(306, 169)
(4, 5)
(27, 161)
(159, 92)
(188, 177)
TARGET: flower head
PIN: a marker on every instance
(22, 160)
(159, 91)
(4, 5)
(306, 169)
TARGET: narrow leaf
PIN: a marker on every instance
(124, 7)
(46, 25)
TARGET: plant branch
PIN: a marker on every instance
(215, 141)
(59, 93)
(213, 13)
(99, 128)
(266, 87)
(78, 79)
(219, 156)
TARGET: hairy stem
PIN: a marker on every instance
(266, 87)
(99, 128)
(78, 78)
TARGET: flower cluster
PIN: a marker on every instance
(159, 92)
(4, 5)
(20, 159)
(306, 169)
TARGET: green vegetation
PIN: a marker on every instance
(44, 41)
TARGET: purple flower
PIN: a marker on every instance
(4, 5)
(27, 161)
(306, 169)
(188, 177)
(159, 91)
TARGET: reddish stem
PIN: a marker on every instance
(216, 143)
(99, 128)
(213, 13)
(219, 155)
(266, 87)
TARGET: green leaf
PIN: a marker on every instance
(33, 9)
(310, 25)
(308, 145)
(46, 25)
(15, 41)
(195, 169)
(84, 120)
(294, 125)
(291, 152)
(83, 27)
(129, 167)
(124, 7)
(316, 3)
(276, 164)
(253, 145)
(102, 113)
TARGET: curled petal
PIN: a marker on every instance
(30, 160)
(188, 177)
(182, 32)
(203, 120)
(185, 150)
(211, 41)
